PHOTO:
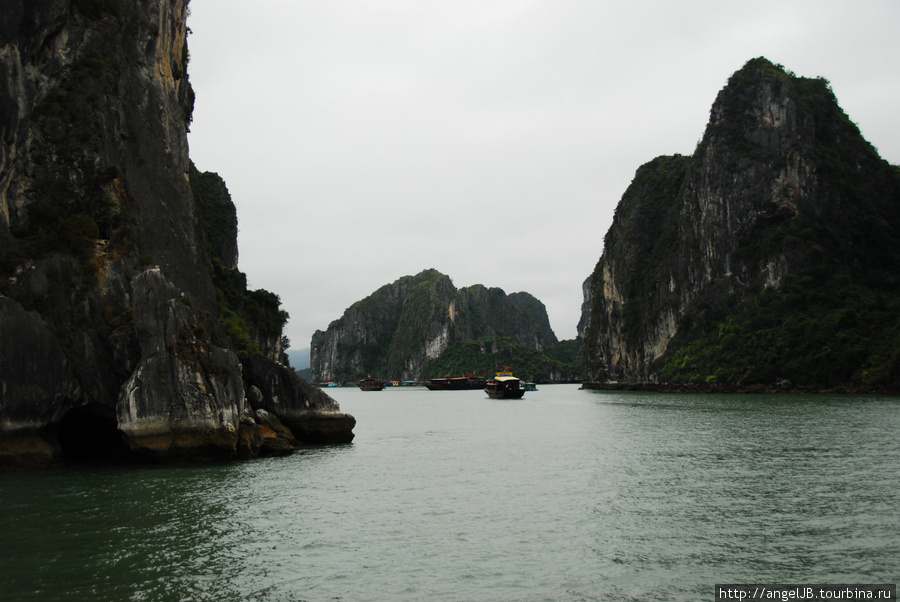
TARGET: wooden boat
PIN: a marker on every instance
(371, 384)
(504, 386)
(457, 383)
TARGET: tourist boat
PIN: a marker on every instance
(457, 383)
(530, 386)
(504, 386)
(370, 384)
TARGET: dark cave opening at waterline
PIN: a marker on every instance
(90, 434)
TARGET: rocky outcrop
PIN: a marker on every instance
(185, 396)
(621, 342)
(112, 329)
(742, 263)
(37, 384)
(217, 216)
(309, 413)
(402, 326)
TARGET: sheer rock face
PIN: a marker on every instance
(37, 385)
(619, 343)
(678, 245)
(106, 289)
(218, 216)
(400, 327)
(185, 396)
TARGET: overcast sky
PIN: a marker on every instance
(365, 140)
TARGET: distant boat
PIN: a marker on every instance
(371, 384)
(504, 386)
(530, 386)
(456, 383)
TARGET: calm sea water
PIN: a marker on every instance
(563, 495)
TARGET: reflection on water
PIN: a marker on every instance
(115, 533)
(564, 495)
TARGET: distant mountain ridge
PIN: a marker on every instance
(397, 330)
(769, 259)
(299, 358)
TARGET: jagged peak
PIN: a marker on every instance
(766, 112)
(783, 210)
(399, 328)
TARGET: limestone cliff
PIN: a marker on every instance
(113, 338)
(770, 257)
(402, 326)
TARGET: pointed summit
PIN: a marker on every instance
(769, 256)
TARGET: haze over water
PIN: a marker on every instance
(563, 495)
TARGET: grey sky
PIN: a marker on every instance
(365, 140)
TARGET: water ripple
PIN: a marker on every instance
(568, 495)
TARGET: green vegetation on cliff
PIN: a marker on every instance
(834, 320)
(247, 317)
(397, 330)
(250, 320)
(770, 257)
(810, 333)
(649, 212)
(216, 215)
(487, 355)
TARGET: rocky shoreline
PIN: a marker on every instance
(129, 334)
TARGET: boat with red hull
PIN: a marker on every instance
(457, 383)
